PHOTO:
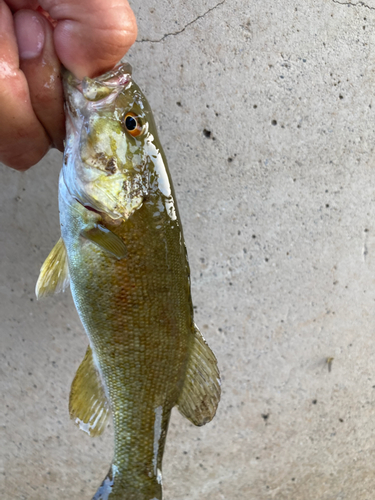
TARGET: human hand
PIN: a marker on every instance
(87, 36)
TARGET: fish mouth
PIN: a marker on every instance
(87, 95)
(119, 75)
(99, 87)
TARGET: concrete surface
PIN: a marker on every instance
(278, 204)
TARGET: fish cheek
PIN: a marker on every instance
(103, 145)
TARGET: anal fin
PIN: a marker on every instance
(201, 391)
(54, 274)
(88, 405)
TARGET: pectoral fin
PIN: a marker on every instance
(106, 240)
(201, 391)
(54, 274)
(88, 405)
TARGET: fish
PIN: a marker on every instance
(123, 254)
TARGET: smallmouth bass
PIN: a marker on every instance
(122, 250)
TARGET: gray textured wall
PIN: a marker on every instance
(278, 210)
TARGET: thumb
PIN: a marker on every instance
(91, 36)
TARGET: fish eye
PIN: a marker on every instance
(133, 124)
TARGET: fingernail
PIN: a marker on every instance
(29, 33)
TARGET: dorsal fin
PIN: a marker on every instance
(54, 273)
(201, 391)
(88, 405)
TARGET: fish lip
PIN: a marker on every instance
(119, 76)
(90, 93)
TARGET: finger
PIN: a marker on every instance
(23, 139)
(15, 5)
(42, 71)
(91, 36)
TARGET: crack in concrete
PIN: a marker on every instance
(359, 4)
(184, 28)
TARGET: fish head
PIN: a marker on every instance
(112, 156)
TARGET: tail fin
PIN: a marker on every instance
(115, 487)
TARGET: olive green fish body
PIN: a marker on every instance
(122, 249)
(137, 314)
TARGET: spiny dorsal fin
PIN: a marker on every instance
(54, 273)
(88, 405)
(106, 240)
(201, 391)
